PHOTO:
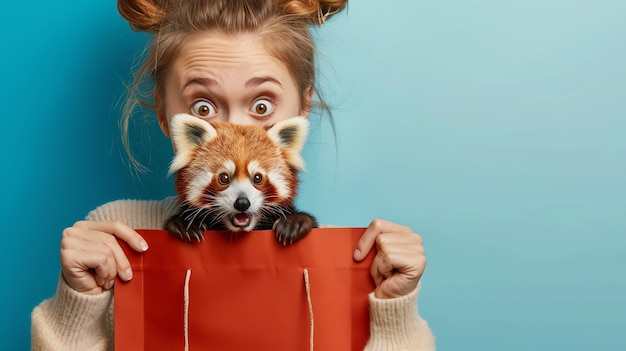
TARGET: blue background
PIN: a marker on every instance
(494, 129)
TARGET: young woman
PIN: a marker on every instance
(240, 61)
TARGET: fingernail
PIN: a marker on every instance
(143, 245)
(357, 254)
(128, 274)
(109, 285)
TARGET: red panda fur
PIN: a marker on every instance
(219, 164)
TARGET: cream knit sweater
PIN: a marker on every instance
(74, 321)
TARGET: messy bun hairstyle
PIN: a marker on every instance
(281, 26)
(147, 15)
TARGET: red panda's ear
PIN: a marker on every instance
(290, 136)
(188, 133)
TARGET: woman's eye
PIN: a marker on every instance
(203, 109)
(262, 107)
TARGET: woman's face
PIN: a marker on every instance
(221, 78)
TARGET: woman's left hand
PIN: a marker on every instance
(400, 261)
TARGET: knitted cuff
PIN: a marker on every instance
(71, 318)
(395, 324)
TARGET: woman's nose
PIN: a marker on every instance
(238, 118)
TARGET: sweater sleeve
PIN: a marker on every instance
(138, 214)
(395, 324)
(73, 321)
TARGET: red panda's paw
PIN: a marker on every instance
(184, 230)
(293, 227)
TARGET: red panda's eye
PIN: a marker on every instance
(258, 179)
(223, 178)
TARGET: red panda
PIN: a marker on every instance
(237, 178)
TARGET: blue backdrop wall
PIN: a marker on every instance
(494, 129)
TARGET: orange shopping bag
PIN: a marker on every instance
(245, 292)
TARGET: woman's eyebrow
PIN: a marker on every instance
(255, 81)
(207, 82)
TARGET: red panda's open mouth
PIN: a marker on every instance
(241, 220)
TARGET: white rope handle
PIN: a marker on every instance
(307, 286)
(186, 309)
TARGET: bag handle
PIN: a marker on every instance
(186, 300)
(186, 308)
(307, 286)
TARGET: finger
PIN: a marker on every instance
(403, 252)
(410, 243)
(107, 245)
(368, 238)
(396, 274)
(89, 262)
(124, 270)
(389, 260)
(117, 229)
(93, 240)
(388, 268)
(96, 256)
(378, 268)
(399, 264)
(105, 270)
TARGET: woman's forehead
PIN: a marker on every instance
(221, 59)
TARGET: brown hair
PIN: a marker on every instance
(281, 25)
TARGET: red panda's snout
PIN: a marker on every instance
(241, 219)
(240, 205)
(241, 196)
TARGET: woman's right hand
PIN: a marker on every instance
(91, 257)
